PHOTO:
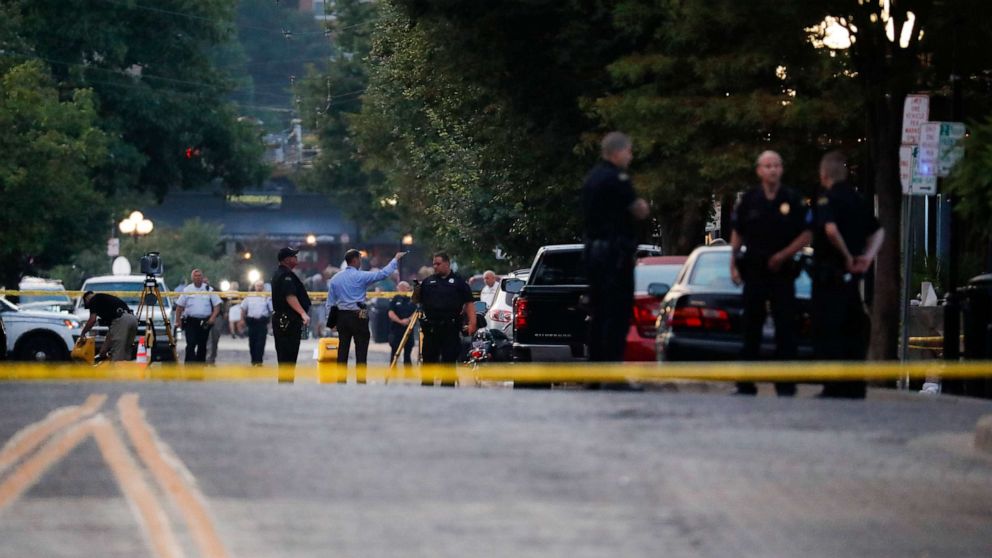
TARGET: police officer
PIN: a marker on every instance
(611, 209)
(444, 298)
(197, 314)
(846, 239)
(769, 227)
(290, 308)
(118, 317)
(401, 309)
(255, 312)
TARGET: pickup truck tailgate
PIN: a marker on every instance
(554, 316)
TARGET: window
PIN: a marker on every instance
(560, 268)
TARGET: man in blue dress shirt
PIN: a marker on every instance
(347, 291)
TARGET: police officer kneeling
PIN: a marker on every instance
(117, 316)
(443, 297)
(847, 237)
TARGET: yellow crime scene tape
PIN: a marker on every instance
(522, 373)
(314, 295)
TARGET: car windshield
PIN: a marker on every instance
(56, 297)
(712, 270)
(644, 275)
(125, 286)
(559, 268)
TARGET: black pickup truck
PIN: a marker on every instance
(549, 319)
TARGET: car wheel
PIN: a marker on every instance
(42, 349)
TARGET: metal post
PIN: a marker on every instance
(907, 214)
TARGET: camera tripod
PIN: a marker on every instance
(150, 291)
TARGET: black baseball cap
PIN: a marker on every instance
(286, 252)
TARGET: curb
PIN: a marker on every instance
(983, 434)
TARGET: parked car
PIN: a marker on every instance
(701, 315)
(500, 315)
(135, 284)
(36, 335)
(55, 298)
(549, 316)
(656, 272)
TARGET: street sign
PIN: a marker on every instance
(913, 182)
(113, 247)
(950, 149)
(915, 111)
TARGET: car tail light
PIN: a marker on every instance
(691, 317)
(646, 316)
(519, 313)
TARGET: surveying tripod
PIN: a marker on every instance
(150, 296)
(406, 335)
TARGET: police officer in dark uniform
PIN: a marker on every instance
(846, 239)
(290, 308)
(769, 227)
(611, 209)
(401, 309)
(444, 298)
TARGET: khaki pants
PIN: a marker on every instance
(121, 337)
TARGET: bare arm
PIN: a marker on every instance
(470, 311)
(213, 314)
(294, 303)
(863, 262)
(639, 209)
(797, 244)
(735, 250)
(179, 314)
(87, 327)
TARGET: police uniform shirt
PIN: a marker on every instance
(256, 307)
(107, 307)
(443, 298)
(403, 307)
(608, 194)
(198, 306)
(855, 220)
(285, 283)
(767, 226)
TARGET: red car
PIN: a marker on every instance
(641, 335)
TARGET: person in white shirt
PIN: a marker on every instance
(488, 294)
(255, 312)
(197, 314)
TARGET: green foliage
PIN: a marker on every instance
(971, 180)
(269, 62)
(194, 245)
(157, 90)
(329, 101)
(48, 152)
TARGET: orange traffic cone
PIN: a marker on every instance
(142, 352)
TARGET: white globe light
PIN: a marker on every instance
(136, 216)
(126, 226)
(145, 226)
(225, 285)
(254, 275)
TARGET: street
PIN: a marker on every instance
(305, 469)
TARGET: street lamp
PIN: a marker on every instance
(253, 276)
(406, 242)
(136, 225)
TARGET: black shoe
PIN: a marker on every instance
(785, 389)
(745, 388)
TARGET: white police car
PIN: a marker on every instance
(36, 335)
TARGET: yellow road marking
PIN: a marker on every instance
(189, 500)
(27, 439)
(155, 522)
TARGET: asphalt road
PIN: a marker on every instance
(265, 469)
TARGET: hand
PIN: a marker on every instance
(405, 321)
(306, 319)
(471, 329)
(860, 265)
(775, 262)
(399, 255)
(735, 275)
(210, 321)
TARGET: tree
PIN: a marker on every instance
(701, 108)
(901, 46)
(329, 100)
(48, 152)
(158, 94)
(471, 115)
